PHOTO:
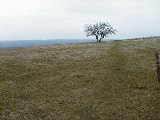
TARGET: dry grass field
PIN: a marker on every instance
(107, 81)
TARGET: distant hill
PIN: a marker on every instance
(31, 43)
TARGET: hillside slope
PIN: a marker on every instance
(108, 81)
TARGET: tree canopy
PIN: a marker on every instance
(100, 30)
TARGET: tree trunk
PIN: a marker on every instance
(100, 40)
(97, 39)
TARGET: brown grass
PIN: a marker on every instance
(107, 81)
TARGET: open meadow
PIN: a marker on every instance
(113, 80)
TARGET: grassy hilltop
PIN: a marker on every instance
(107, 81)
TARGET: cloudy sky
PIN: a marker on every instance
(51, 19)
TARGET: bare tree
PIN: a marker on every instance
(100, 30)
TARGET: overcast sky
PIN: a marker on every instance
(51, 19)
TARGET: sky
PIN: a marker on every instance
(66, 19)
